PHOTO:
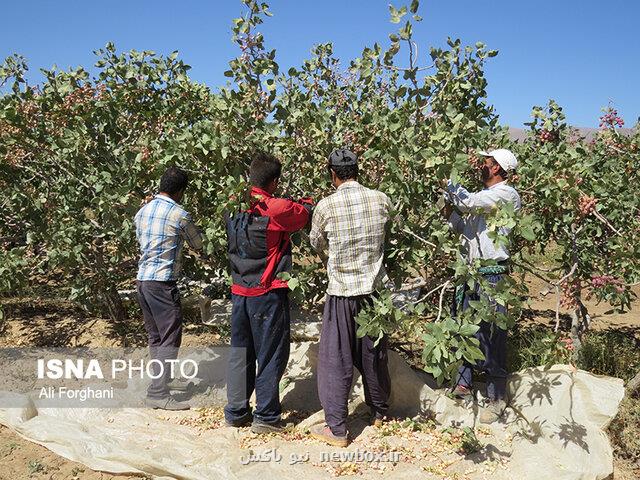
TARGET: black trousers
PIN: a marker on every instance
(160, 303)
(260, 333)
(340, 351)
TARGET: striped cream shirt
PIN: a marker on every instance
(350, 224)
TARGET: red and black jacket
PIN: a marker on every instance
(259, 246)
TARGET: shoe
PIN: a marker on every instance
(324, 434)
(167, 403)
(462, 392)
(243, 421)
(377, 420)
(177, 385)
(493, 411)
(259, 426)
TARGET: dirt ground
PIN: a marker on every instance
(543, 302)
(44, 322)
(54, 323)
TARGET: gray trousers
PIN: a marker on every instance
(160, 303)
(340, 351)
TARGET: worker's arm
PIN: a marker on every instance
(318, 235)
(288, 216)
(190, 233)
(465, 201)
(456, 222)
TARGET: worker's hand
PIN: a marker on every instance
(204, 257)
(447, 211)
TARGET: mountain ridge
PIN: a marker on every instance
(520, 134)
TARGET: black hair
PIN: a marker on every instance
(345, 172)
(264, 169)
(173, 180)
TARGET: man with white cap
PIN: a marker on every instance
(467, 216)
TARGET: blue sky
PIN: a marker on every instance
(582, 53)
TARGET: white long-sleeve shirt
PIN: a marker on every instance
(472, 225)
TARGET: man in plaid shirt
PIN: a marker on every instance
(162, 227)
(350, 224)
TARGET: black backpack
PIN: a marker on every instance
(247, 247)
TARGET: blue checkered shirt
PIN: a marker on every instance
(162, 227)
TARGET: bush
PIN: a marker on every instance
(624, 430)
(611, 353)
(534, 346)
(539, 345)
(80, 154)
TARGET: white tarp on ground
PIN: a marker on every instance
(553, 430)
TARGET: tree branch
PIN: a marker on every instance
(444, 287)
(406, 230)
(426, 295)
(606, 222)
(557, 286)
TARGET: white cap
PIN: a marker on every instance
(505, 158)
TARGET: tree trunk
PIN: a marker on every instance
(633, 385)
(114, 305)
(575, 335)
(580, 321)
(107, 290)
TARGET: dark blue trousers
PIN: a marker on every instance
(493, 344)
(260, 334)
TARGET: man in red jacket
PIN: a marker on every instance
(259, 250)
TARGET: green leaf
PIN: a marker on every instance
(528, 233)
(469, 329)
(293, 283)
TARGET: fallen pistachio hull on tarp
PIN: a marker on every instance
(555, 429)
